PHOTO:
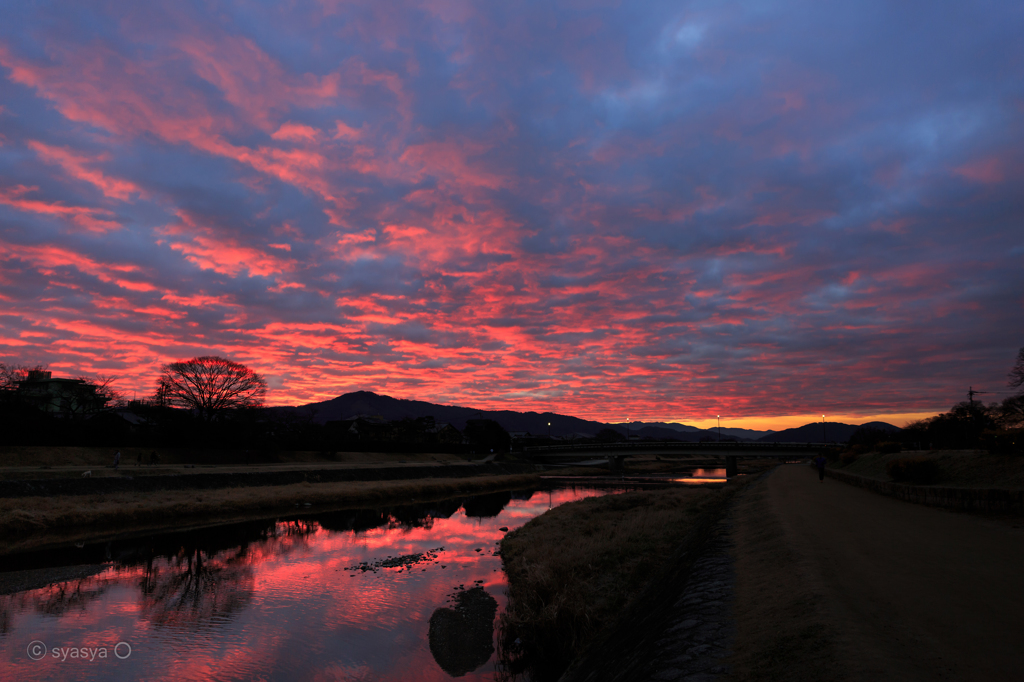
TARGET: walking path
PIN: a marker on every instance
(835, 582)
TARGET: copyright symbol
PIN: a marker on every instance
(122, 650)
(36, 650)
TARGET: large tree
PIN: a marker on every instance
(209, 386)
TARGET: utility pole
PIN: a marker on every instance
(823, 439)
(719, 428)
(970, 395)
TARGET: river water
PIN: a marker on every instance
(409, 593)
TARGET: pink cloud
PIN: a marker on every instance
(227, 257)
(346, 132)
(251, 80)
(76, 166)
(987, 171)
(84, 217)
(296, 132)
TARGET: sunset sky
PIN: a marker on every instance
(660, 210)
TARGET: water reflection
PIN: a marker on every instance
(273, 599)
(191, 589)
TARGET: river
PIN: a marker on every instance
(408, 593)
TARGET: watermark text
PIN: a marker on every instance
(38, 651)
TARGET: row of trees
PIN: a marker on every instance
(211, 403)
(222, 396)
(209, 387)
(206, 401)
(997, 426)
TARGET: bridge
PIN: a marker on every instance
(617, 452)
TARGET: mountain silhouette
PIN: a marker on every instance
(812, 433)
(369, 404)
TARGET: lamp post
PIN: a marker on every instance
(719, 428)
(627, 429)
(823, 439)
(549, 430)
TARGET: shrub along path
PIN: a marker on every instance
(835, 582)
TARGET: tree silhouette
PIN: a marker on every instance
(1017, 372)
(11, 375)
(209, 386)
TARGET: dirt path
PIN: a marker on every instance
(835, 582)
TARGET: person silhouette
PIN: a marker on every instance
(819, 461)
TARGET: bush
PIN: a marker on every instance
(850, 456)
(890, 447)
(913, 470)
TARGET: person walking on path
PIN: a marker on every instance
(819, 461)
(117, 459)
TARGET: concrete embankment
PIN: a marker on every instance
(216, 480)
(967, 499)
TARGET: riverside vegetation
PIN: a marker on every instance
(574, 569)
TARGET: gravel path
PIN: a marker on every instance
(867, 587)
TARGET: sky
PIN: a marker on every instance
(660, 210)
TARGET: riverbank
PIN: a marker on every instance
(574, 570)
(30, 523)
(953, 468)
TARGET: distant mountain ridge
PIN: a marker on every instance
(828, 432)
(367, 403)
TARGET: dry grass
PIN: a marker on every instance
(36, 522)
(958, 468)
(572, 570)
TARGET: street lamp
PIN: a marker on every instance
(719, 428)
(627, 429)
(823, 439)
(549, 430)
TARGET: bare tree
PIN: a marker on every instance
(1011, 412)
(1017, 372)
(11, 375)
(105, 389)
(210, 385)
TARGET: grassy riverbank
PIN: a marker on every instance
(36, 522)
(955, 468)
(574, 569)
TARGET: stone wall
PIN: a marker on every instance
(208, 481)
